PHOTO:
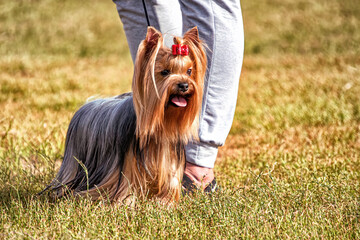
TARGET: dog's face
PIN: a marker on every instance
(168, 88)
(174, 78)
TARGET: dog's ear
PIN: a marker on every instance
(196, 53)
(152, 37)
(192, 35)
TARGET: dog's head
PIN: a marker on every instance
(168, 86)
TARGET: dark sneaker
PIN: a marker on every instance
(188, 186)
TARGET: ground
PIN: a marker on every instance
(290, 167)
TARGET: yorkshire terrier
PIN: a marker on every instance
(133, 144)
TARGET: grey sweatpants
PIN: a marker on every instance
(220, 26)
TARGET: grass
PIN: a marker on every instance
(290, 167)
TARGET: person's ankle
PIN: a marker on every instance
(201, 176)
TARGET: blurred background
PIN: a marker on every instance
(92, 28)
(55, 54)
(290, 166)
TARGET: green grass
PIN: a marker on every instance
(290, 168)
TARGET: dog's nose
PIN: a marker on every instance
(183, 87)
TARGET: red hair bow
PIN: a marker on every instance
(179, 49)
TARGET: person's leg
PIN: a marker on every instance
(164, 15)
(220, 26)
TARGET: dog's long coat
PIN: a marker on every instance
(133, 144)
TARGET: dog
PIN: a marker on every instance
(133, 144)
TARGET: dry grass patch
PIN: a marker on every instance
(289, 169)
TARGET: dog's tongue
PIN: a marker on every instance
(179, 101)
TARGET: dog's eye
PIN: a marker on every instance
(188, 72)
(165, 72)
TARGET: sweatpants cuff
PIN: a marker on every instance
(201, 154)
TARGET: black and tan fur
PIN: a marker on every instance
(133, 144)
